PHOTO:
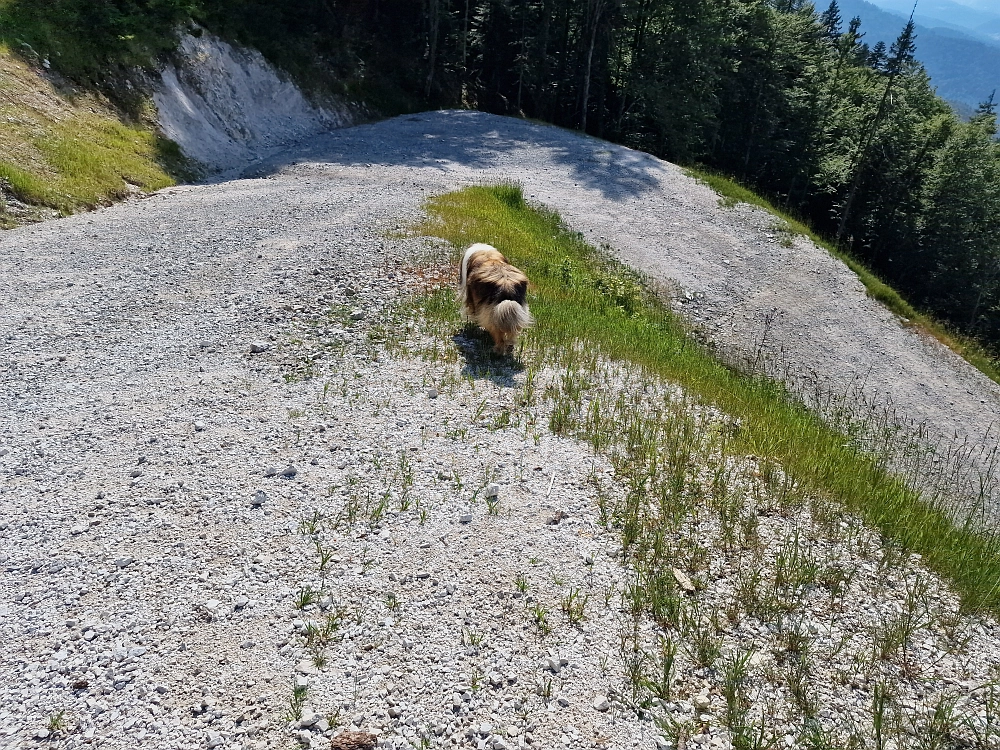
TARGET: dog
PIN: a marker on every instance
(493, 294)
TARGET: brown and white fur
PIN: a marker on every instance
(493, 294)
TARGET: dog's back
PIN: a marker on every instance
(488, 279)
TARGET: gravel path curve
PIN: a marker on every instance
(742, 282)
(151, 565)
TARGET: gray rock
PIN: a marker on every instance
(259, 498)
(601, 703)
(465, 518)
(308, 719)
(199, 426)
(492, 490)
(702, 702)
(289, 471)
(357, 315)
(259, 347)
(124, 562)
(271, 471)
(306, 667)
(551, 664)
(682, 580)
(432, 393)
(214, 739)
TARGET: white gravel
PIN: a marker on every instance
(154, 540)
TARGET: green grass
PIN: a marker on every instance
(94, 162)
(67, 150)
(26, 186)
(731, 193)
(97, 162)
(584, 302)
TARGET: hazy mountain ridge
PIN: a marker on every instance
(975, 22)
(963, 68)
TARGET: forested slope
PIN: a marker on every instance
(790, 101)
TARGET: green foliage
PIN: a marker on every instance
(773, 424)
(84, 38)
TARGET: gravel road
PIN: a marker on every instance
(154, 541)
(743, 283)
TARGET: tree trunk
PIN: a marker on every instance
(465, 54)
(432, 13)
(904, 51)
(596, 7)
(859, 163)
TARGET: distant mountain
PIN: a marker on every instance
(981, 22)
(964, 69)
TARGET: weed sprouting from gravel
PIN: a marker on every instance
(540, 618)
(735, 690)
(305, 597)
(521, 582)
(296, 701)
(574, 606)
(57, 722)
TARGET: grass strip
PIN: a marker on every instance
(968, 348)
(582, 297)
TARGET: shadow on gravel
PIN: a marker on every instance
(481, 362)
(474, 140)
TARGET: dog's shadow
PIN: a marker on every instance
(481, 361)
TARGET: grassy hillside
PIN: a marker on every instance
(590, 307)
(63, 149)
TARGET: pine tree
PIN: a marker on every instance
(830, 20)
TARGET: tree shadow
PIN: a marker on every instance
(481, 362)
(442, 141)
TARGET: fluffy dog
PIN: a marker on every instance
(492, 293)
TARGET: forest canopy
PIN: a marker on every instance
(787, 98)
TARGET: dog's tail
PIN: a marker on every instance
(509, 316)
